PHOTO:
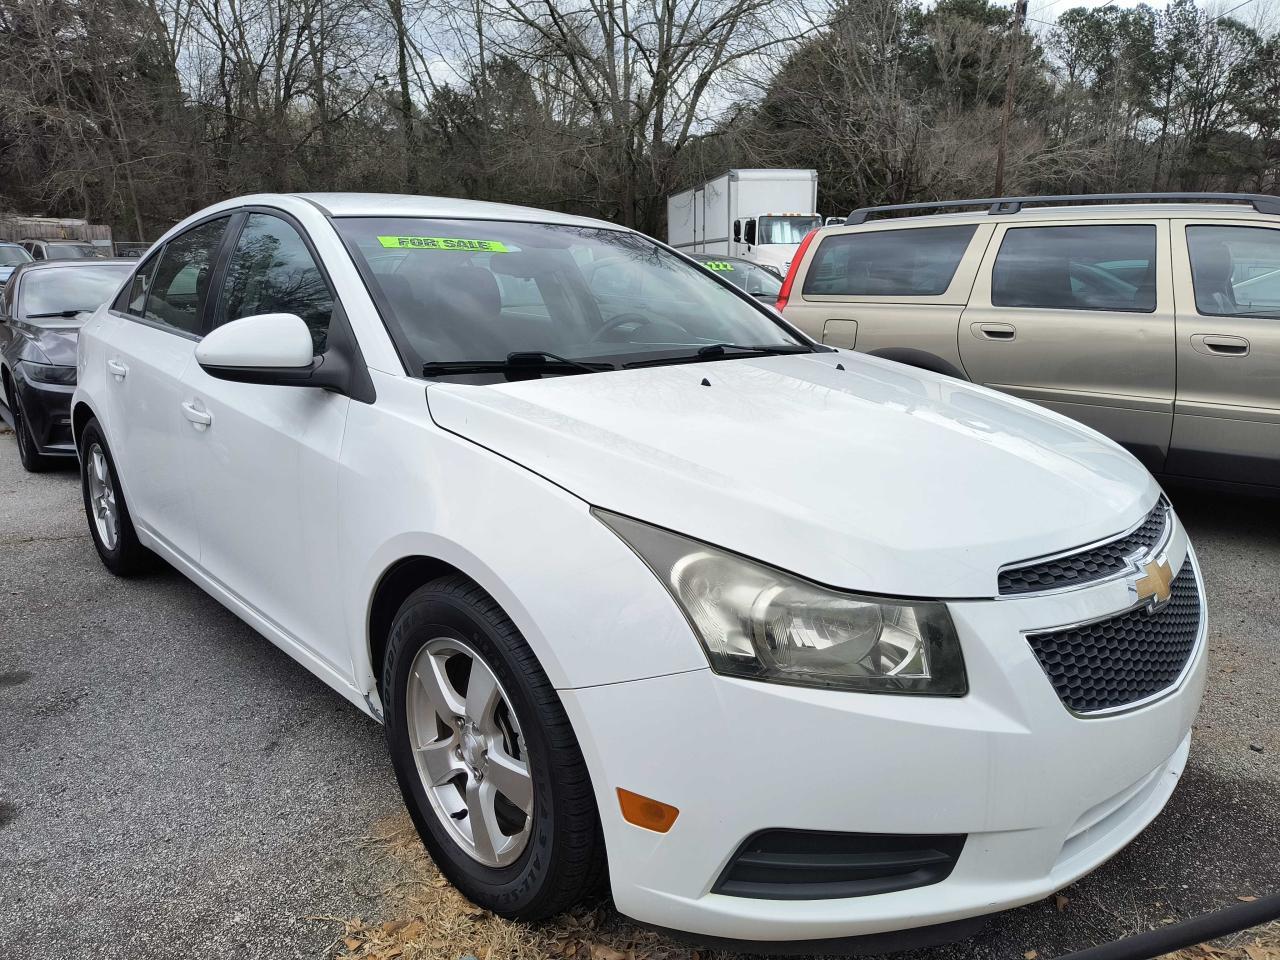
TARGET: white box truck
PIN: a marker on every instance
(760, 215)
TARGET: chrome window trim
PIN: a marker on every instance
(1131, 567)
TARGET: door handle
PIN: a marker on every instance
(200, 418)
(1216, 345)
(118, 369)
(994, 331)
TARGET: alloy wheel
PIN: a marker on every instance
(469, 751)
(102, 497)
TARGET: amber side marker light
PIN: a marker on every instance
(643, 812)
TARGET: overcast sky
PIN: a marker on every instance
(1256, 13)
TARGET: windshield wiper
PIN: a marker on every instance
(57, 313)
(521, 361)
(716, 351)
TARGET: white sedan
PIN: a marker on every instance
(782, 642)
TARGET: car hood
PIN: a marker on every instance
(50, 342)
(878, 477)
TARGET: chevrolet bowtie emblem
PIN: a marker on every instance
(1153, 586)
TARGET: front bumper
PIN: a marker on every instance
(1042, 795)
(47, 408)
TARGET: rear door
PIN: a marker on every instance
(1227, 415)
(149, 342)
(1080, 318)
(895, 292)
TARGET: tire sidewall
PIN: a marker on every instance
(516, 886)
(114, 558)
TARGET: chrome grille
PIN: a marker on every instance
(1098, 562)
(1124, 659)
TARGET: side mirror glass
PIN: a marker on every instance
(750, 233)
(737, 231)
(266, 348)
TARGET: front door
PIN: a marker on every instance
(157, 325)
(263, 459)
(1079, 318)
(1227, 416)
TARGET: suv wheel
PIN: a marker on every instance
(485, 756)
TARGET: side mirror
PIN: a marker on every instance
(273, 348)
(750, 233)
(737, 231)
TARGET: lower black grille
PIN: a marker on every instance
(1126, 658)
(815, 865)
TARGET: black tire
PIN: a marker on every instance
(33, 461)
(564, 860)
(128, 557)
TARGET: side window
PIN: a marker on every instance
(272, 271)
(133, 298)
(175, 291)
(1109, 266)
(1235, 270)
(910, 262)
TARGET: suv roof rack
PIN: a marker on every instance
(999, 206)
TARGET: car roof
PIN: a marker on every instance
(57, 240)
(1111, 211)
(64, 264)
(406, 205)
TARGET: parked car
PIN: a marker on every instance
(11, 256)
(41, 310)
(1152, 318)
(759, 281)
(812, 644)
(63, 249)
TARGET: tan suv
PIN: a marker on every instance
(1154, 318)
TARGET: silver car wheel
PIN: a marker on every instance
(469, 751)
(102, 497)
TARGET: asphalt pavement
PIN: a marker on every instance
(172, 785)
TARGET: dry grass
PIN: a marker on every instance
(434, 922)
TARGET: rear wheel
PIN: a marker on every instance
(104, 505)
(486, 759)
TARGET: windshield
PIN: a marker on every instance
(12, 256)
(479, 290)
(786, 229)
(56, 291)
(70, 251)
(754, 279)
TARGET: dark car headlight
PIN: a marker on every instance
(47, 372)
(760, 623)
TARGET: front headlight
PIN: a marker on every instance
(763, 624)
(47, 372)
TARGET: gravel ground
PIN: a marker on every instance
(171, 785)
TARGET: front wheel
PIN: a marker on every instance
(485, 756)
(33, 461)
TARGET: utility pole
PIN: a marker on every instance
(1006, 115)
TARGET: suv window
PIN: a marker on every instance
(1108, 266)
(175, 292)
(915, 262)
(272, 271)
(1235, 270)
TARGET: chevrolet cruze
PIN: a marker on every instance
(781, 642)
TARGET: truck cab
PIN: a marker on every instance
(771, 239)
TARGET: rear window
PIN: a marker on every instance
(1100, 267)
(916, 262)
(1235, 270)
